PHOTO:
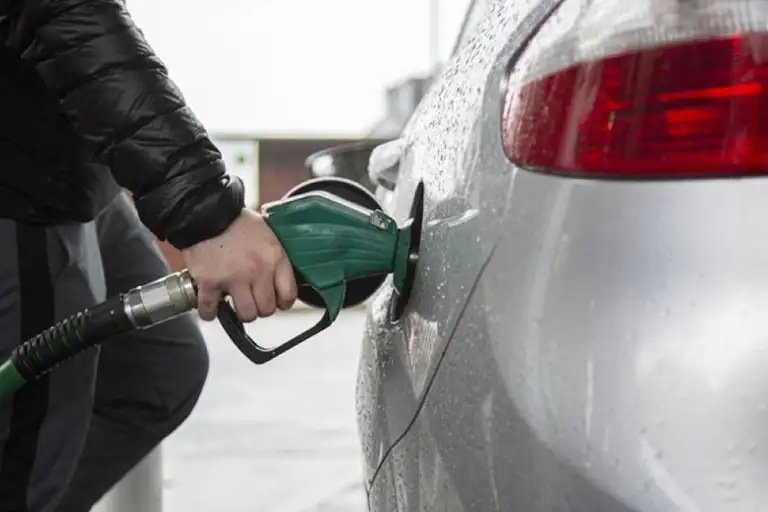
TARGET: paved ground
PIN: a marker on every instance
(275, 438)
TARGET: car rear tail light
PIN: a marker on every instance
(643, 89)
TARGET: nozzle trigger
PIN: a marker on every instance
(333, 298)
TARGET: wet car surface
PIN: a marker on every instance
(573, 343)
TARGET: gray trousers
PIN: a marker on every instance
(66, 439)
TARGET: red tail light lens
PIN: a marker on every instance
(680, 110)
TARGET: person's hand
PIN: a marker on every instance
(245, 262)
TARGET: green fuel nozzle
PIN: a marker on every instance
(333, 242)
(341, 245)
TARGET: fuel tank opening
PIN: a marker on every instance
(358, 290)
(404, 279)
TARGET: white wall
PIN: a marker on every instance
(301, 66)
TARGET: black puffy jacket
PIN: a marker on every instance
(85, 105)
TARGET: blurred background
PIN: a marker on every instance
(276, 82)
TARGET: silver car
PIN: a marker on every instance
(588, 329)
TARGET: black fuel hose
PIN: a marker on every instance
(139, 308)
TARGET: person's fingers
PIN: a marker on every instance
(264, 293)
(245, 305)
(285, 285)
(208, 302)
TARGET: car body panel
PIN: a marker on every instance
(638, 371)
(435, 153)
(574, 345)
(458, 456)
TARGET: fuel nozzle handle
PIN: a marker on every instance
(330, 241)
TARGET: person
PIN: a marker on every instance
(88, 111)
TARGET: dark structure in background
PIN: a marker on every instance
(402, 100)
(283, 162)
(348, 161)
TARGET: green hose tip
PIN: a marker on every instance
(10, 380)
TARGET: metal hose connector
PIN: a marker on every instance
(160, 300)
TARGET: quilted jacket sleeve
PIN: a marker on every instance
(118, 97)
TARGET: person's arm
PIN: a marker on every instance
(118, 97)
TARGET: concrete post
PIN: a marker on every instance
(140, 491)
